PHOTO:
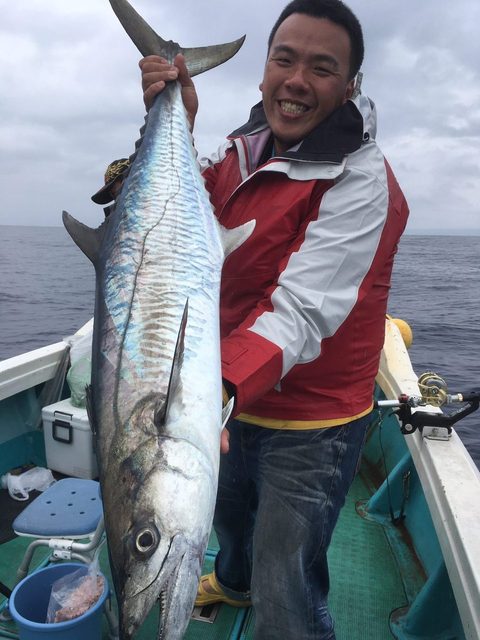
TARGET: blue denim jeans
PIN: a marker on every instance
(279, 496)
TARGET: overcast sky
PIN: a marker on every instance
(71, 99)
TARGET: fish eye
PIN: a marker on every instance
(146, 540)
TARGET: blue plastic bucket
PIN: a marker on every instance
(28, 605)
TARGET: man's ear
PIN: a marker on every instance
(350, 89)
(260, 86)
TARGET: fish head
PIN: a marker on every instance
(158, 539)
(174, 586)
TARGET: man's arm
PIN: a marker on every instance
(332, 265)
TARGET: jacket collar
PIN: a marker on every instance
(335, 137)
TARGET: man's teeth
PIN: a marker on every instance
(292, 107)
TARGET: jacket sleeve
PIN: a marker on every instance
(333, 263)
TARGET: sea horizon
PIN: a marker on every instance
(408, 232)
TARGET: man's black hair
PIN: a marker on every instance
(338, 13)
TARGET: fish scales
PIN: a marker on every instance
(177, 250)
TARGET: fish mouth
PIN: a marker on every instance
(165, 597)
(171, 586)
(135, 604)
(177, 598)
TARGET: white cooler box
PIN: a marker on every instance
(69, 440)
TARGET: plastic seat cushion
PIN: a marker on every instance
(70, 508)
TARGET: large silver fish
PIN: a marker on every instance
(155, 401)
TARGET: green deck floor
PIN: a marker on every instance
(365, 584)
(365, 580)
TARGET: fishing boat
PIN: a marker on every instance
(405, 557)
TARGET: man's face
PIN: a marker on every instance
(305, 77)
(116, 187)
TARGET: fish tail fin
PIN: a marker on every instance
(198, 59)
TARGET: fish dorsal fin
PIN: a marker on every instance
(233, 238)
(87, 239)
(227, 411)
(150, 43)
(162, 410)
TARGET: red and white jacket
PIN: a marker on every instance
(303, 300)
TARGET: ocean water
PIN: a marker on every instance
(47, 292)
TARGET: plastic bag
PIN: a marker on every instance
(74, 594)
(37, 478)
(79, 374)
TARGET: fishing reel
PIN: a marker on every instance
(433, 389)
(434, 393)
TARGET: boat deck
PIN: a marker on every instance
(366, 583)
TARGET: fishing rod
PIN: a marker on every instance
(434, 393)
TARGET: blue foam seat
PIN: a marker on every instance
(70, 508)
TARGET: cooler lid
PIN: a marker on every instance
(64, 410)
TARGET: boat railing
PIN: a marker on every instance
(450, 481)
(34, 367)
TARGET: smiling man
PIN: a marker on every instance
(302, 315)
(307, 76)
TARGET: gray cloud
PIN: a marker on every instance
(71, 98)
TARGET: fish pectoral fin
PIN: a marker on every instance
(148, 42)
(87, 239)
(233, 238)
(227, 411)
(174, 384)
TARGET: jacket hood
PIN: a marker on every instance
(338, 135)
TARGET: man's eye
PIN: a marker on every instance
(282, 61)
(321, 71)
